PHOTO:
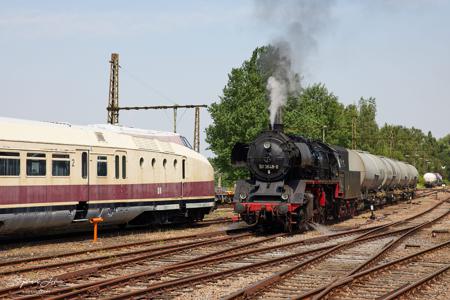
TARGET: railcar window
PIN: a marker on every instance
(40, 155)
(9, 166)
(36, 165)
(124, 167)
(117, 164)
(102, 166)
(9, 153)
(60, 165)
(84, 165)
(186, 142)
(183, 168)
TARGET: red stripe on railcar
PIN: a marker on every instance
(252, 206)
(75, 193)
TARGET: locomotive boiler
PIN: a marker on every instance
(294, 180)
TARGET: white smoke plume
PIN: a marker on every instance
(300, 22)
(278, 96)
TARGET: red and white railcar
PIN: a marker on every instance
(58, 176)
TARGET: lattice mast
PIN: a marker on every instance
(113, 102)
(197, 130)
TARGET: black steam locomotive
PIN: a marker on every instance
(294, 181)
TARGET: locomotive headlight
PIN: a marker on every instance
(243, 196)
(284, 196)
(267, 145)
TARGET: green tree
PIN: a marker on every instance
(242, 113)
(239, 115)
(367, 127)
(444, 156)
(317, 113)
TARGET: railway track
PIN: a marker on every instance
(433, 286)
(174, 268)
(127, 250)
(379, 282)
(82, 284)
(300, 281)
(64, 259)
(176, 279)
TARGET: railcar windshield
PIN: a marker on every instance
(186, 142)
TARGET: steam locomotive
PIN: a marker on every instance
(294, 181)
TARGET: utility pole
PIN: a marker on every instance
(175, 119)
(197, 130)
(114, 108)
(113, 102)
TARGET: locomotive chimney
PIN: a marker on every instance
(278, 124)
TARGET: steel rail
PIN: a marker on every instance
(351, 278)
(208, 276)
(75, 290)
(409, 288)
(153, 251)
(265, 283)
(96, 269)
(374, 257)
(257, 287)
(201, 259)
(114, 247)
(375, 229)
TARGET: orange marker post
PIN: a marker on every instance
(95, 221)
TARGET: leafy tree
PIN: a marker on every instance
(317, 113)
(444, 156)
(367, 127)
(242, 113)
(239, 116)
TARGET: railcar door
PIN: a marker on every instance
(121, 175)
(82, 168)
(183, 175)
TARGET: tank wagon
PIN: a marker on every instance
(432, 179)
(56, 176)
(294, 180)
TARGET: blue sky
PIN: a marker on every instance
(54, 58)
